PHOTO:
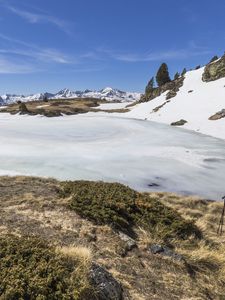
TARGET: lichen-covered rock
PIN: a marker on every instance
(218, 115)
(107, 287)
(214, 70)
(179, 123)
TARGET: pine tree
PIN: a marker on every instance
(184, 72)
(150, 86)
(214, 59)
(176, 76)
(162, 75)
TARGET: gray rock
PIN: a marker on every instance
(107, 287)
(130, 243)
(165, 251)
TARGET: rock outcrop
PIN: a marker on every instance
(218, 115)
(214, 70)
(172, 87)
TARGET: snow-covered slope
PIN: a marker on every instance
(107, 93)
(195, 102)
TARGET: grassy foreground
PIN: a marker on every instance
(52, 232)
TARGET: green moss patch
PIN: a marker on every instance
(123, 209)
(31, 270)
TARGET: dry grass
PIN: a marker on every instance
(54, 108)
(79, 253)
(32, 206)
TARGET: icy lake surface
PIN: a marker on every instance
(144, 155)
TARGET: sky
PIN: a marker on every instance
(47, 45)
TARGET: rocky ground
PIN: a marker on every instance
(149, 264)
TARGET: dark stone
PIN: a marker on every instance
(153, 184)
(165, 251)
(179, 123)
(107, 287)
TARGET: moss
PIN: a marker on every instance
(123, 209)
(32, 270)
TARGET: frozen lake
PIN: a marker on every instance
(144, 155)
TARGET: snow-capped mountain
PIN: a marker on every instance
(106, 93)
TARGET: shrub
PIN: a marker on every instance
(23, 108)
(32, 270)
(123, 209)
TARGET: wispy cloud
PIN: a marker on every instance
(17, 56)
(42, 18)
(192, 50)
(11, 67)
(33, 51)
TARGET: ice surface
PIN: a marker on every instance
(136, 153)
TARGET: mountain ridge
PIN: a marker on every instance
(108, 93)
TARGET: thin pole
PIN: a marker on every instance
(220, 228)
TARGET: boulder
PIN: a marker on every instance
(214, 70)
(107, 288)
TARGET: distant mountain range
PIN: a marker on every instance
(106, 93)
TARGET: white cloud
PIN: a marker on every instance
(191, 51)
(9, 67)
(21, 48)
(40, 18)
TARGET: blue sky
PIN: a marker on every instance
(46, 45)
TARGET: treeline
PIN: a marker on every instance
(162, 76)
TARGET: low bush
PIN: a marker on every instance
(31, 270)
(123, 209)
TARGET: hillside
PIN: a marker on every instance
(105, 241)
(198, 102)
